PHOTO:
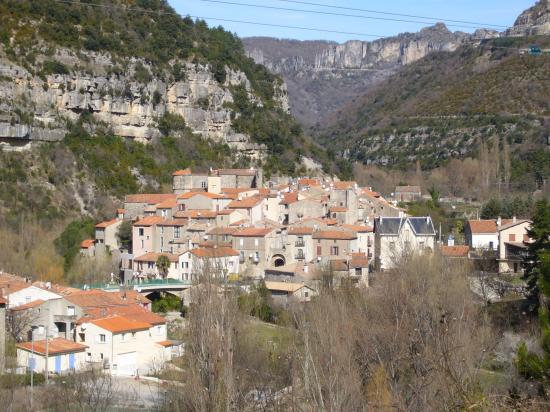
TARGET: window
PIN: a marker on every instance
(141, 231)
(142, 244)
(256, 242)
(392, 245)
(319, 250)
(334, 251)
(162, 229)
(123, 337)
(306, 294)
(133, 335)
(150, 265)
(27, 299)
(186, 265)
(176, 265)
(159, 330)
(102, 339)
(512, 237)
(230, 263)
(161, 242)
(204, 184)
(177, 232)
(241, 242)
(70, 311)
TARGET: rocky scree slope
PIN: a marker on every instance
(533, 21)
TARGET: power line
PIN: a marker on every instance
(328, 13)
(145, 11)
(388, 13)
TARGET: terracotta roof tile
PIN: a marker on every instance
(455, 251)
(86, 244)
(338, 209)
(107, 223)
(483, 226)
(334, 234)
(359, 228)
(289, 198)
(29, 305)
(253, 232)
(222, 231)
(344, 185)
(167, 204)
(246, 203)
(56, 346)
(308, 182)
(119, 324)
(149, 221)
(300, 230)
(183, 172)
(209, 195)
(284, 286)
(196, 214)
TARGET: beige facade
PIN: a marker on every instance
(63, 356)
(513, 244)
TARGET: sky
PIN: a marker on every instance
(486, 12)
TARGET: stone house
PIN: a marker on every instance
(343, 194)
(202, 201)
(145, 266)
(257, 247)
(295, 210)
(334, 244)
(135, 205)
(186, 181)
(251, 207)
(87, 247)
(240, 178)
(284, 293)
(300, 244)
(408, 194)
(365, 238)
(216, 261)
(513, 246)
(396, 237)
(144, 239)
(106, 235)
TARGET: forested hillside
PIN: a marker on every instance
(488, 102)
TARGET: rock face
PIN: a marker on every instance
(33, 108)
(323, 76)
(534, 21)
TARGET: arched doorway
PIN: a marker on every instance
(279, 260)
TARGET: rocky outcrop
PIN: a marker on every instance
(323, 76)
(534, 21)
(34, 107)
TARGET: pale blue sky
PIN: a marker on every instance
(497, 12)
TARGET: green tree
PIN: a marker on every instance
(537, 273)
(492, 209)
(68, 243)
(124, 234)
(163, 264)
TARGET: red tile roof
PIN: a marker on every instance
(119, 324)
(483, 226)
(167, 204)
(183, 172)
(359, 228)
(289, 198)
(107, 223)
(253, 232)
(166, 343)
(196, 214)
(338, 209)
(151, 199)
(86, 244)
(246, 203)
(189, 195)
(222, 231)
(214, 252)
(308, 182)
(455, 251)
(359, 260)
(56, 346)
(300, 230)
(149, 221)
(334, 234)
(344, 185)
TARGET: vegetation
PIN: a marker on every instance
(507, 208)
(68, 243)
(163, 265)
(124, 234)
(167, 303)
(533, 365)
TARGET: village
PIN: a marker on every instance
(227, 225)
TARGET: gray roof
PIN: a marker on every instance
(392, 225)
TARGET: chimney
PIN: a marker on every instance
(514, 220)
(499, 221)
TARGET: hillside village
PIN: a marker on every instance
(230, 225)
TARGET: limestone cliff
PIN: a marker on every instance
(534, 21)
(323, 76)
(34, 107)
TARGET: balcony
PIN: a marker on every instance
(300, 243)
(300, 256)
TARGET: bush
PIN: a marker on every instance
(168, 303)
(54, 67)
(68, 243)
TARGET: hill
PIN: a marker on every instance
(451, 105)
(104, 98)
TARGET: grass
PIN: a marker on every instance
(268, 335)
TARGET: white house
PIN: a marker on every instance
(481, 234)
(63, 355)
(125, 346)
(220, 261)
(29, 294)
(286, 292)
(398, 236)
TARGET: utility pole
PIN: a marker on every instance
(32, 365)
(47, 330)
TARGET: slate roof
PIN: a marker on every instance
(392, 225)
